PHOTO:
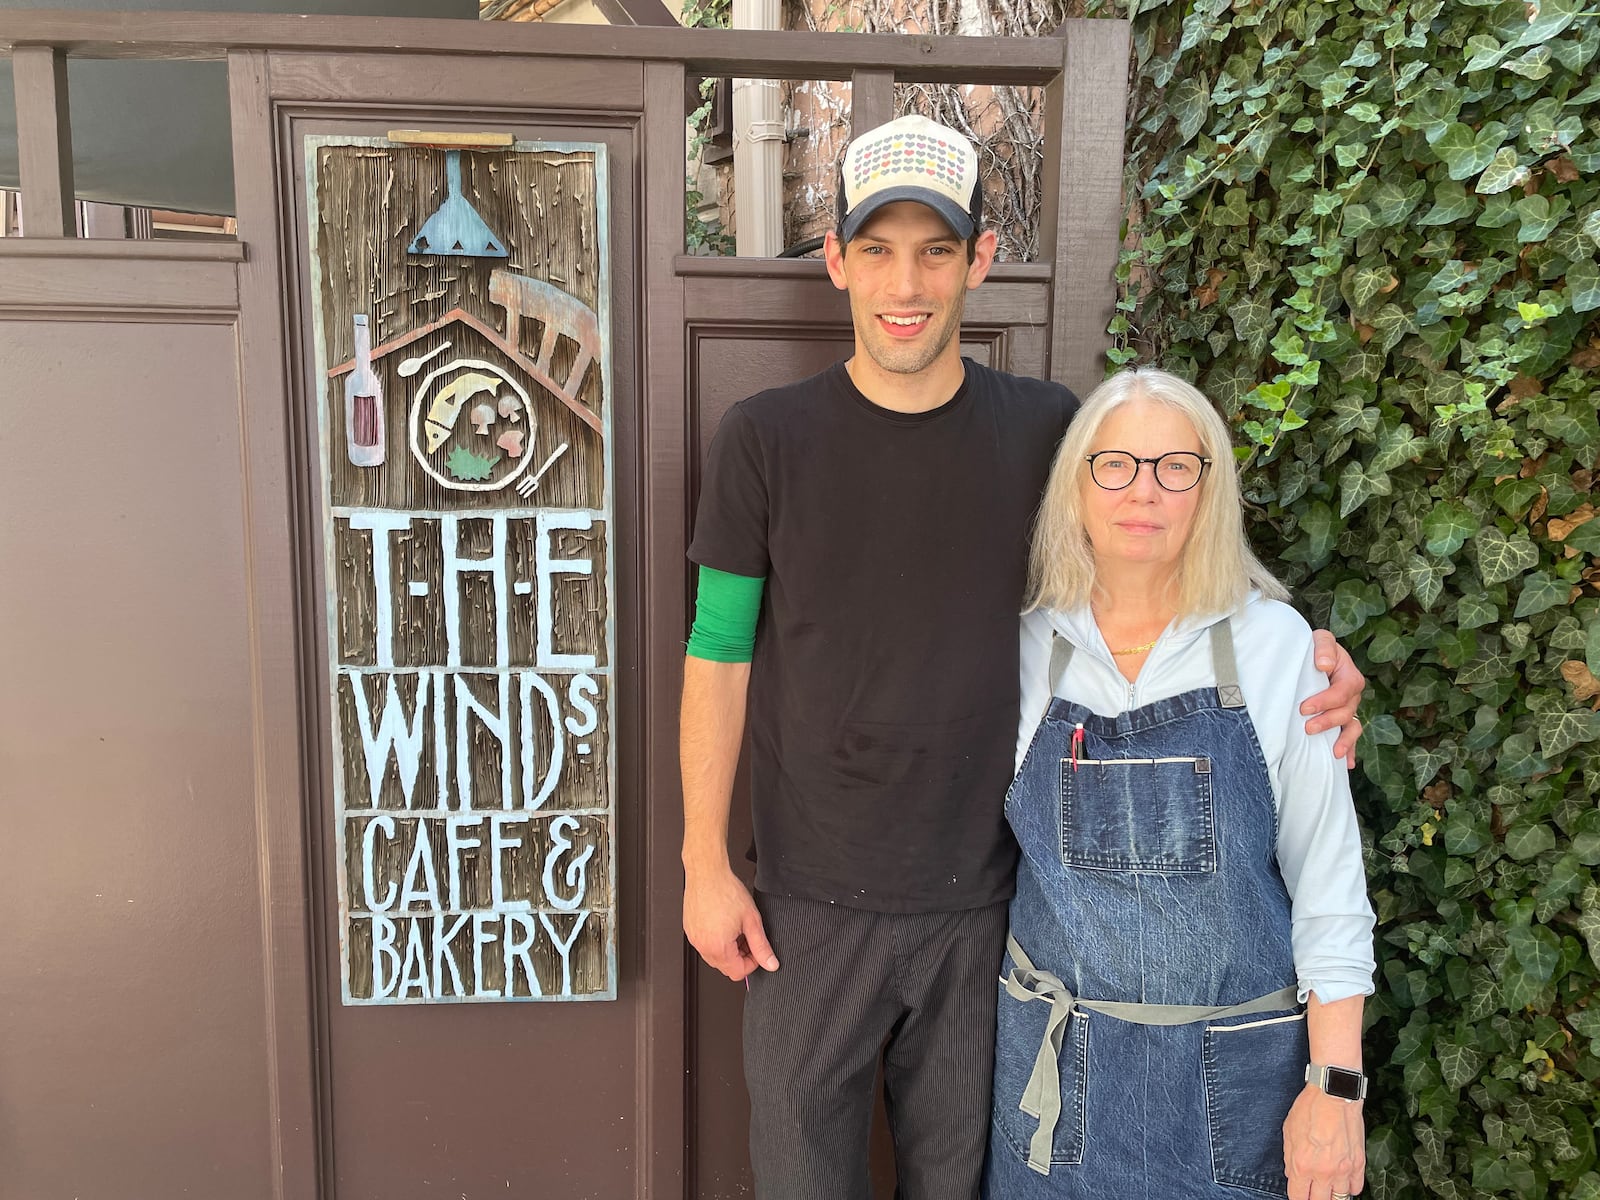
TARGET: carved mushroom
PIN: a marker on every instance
(509, 407)
(482, 418)
(511, 442)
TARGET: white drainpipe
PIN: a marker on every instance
(758, 137)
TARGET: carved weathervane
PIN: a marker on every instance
(467, 519)
(455, 227)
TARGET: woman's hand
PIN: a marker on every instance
(1324, 1146)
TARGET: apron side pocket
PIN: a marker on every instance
(1020, 1028)
(1253, 1071)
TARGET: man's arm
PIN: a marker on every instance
(1336, 707)
(719, 914)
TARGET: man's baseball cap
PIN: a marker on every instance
(911, 158)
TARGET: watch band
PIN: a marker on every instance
(1342, 1083)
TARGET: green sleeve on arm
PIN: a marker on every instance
(725, 615)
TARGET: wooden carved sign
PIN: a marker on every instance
(461, 318)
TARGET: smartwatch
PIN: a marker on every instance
(1339, 1082)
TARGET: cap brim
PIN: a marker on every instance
(959, 220)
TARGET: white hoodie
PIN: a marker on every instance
(1319, 845)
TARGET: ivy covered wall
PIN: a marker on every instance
(1370, 231)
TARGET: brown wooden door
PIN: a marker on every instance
(426, 1092)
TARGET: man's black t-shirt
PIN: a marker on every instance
(883, 701)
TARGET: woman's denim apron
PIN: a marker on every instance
(1149, 1042)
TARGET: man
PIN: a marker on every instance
(876, 516)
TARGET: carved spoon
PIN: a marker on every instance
(412, 365)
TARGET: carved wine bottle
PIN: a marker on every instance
(363, 404)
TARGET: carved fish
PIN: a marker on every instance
(446, 407)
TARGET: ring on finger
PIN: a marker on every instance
(1341, 1196)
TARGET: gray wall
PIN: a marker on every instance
(156, 133)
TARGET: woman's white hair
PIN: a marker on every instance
(1216, 569)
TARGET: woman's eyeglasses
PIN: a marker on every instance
(1176, 471)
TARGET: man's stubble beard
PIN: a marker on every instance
(912, 360)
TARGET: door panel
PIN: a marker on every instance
(485, 1097)
(133, 1056)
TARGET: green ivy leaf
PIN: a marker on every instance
(1368, 282)
(1447, 527)
(1234, 211)
(1534, 64)
(1586, 157)
(1396, 446)
(1519, 760)
(1392, 203)
(1586, 839)
(1484, 998)
(1459, 1062)
(1358, 484)
(1501, 173)
(1562, 730)
(1466, 151)
(1321, 531)
(1548, 18)
(1501, 558)
(1524, 842)
(1474, 611)
(1541, 591)
(1392, 323)
(1453, 276)
(1490, 663)
(1357, 220)
(1427, 577)
(1516, 496)
(1353, 602)
(1484, 52)
(1583, 286)
(1591, 223)
(1383, 730)
(1252, 321)
(1536, 948)
(1588, 923)
(1546, 129)
(1425, 765)
(1387, 646)
(1451, 202)
(1540, 216)
(1190, 103)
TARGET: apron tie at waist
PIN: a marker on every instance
(1041, 1099)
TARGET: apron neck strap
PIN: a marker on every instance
(1225, 665)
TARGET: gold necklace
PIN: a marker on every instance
(1139, 649)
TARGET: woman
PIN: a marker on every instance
(1191, 940)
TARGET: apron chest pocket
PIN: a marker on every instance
(1151, 815)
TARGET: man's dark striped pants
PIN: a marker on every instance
(919, 987)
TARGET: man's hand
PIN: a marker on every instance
(721, 922)
(1324, 1147)
(1335, 708)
